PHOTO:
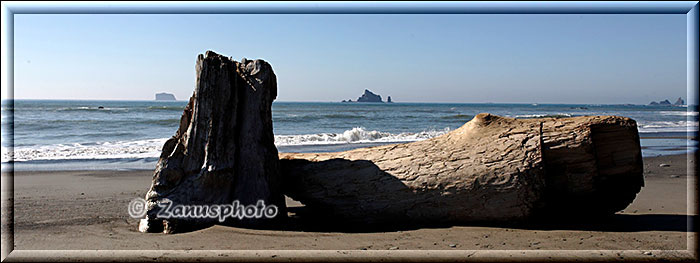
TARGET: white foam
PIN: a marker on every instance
(101, 150)
(355, 135)
(679, 113)
(152, 147)
(543, 115)
(667, 126)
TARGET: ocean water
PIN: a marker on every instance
(65, 135)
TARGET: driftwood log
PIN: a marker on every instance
(491, 169)
(224, 148)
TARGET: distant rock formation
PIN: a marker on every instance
(368, 96)
(349, 100)
(165, 96)
(388, 99)
(668, 103)
(679, 101)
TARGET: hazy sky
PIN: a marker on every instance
(412, 58)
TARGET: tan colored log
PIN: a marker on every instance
(492, 168)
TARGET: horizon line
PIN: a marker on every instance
(383, 102)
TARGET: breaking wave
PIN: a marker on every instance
(98, 150)
(667, 126)
(152, 147)
(532, 116)
(355, 135)
(679, 113)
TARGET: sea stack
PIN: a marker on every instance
(368, 96)
(667, 103)
(679, 102)
(388, 99)
(165, 96)
(223, 150)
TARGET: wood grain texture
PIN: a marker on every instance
(224, 148)
(491, 169)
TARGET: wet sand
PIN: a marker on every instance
(87, 210)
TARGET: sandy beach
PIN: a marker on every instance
(87, 210)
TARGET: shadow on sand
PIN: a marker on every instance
(305, 221)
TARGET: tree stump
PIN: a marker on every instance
(224, 148)
(491, 169)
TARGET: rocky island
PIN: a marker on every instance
(679, 102)
(165, 96)
(369, 96)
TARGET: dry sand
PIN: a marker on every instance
(88, 210)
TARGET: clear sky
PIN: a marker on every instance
(412, 58)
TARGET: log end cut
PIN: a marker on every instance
(593, 164)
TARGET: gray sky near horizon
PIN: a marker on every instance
(599, 59)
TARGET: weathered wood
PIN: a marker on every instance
(594, 164)
(224, 148)
(491, 169)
